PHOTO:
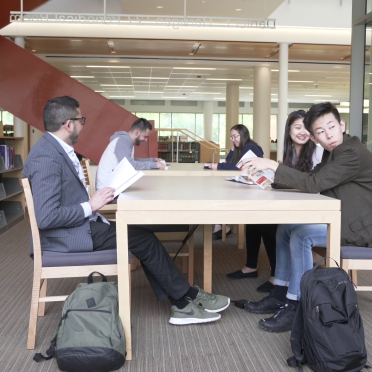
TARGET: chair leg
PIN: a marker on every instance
(223, 232)
(241, 234)
(130, 282)
(31, 338)
(190, 244)
(43, 292)
(354, 276)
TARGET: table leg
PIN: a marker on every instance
(123, 281)
(207, 258)
(223, 229)
(333, 241)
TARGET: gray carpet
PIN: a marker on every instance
(235, 343)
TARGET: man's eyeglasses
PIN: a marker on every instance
(81, 120)
(234, 136)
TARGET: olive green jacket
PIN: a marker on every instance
(344, 174)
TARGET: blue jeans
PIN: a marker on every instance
(294, 256)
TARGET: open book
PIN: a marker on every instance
(262, 178)
(239, 179)
(122, 177)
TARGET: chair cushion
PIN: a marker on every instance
(167, 228)
(107, 257)
(356, 253)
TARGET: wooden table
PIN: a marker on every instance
(191, 169)
(197, 170)
(207, 201)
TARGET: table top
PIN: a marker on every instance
(190, 169)
(214, 193)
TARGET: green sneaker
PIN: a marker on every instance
(210, 302)
(193, 313)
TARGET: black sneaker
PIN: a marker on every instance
(266, 287)
(280, 322)
(267, 305)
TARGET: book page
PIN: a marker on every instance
(122, 177)
(239, 179)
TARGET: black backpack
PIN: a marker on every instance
(327, 331)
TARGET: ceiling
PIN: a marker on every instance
(164, 69)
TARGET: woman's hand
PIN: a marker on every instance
(253, 165)
(213, 166)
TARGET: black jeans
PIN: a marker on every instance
(253, 235)
(163, 274)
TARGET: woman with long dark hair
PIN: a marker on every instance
(241, 143)
(300, 153)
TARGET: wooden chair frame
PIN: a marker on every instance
(42, 274)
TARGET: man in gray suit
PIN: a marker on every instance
(68, 221)
(344, 173)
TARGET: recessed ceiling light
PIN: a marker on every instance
(224, 79)
(109, 66)
(159, 7)
(193, 68)
(245, 87)
(238, 9)
(204, 93)
(288, 70)
(99, 91)
(82, 77)
(115, 85)
(149, 77)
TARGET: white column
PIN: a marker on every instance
(232, 110)
(208, 119)
(262, 108)
(282, 98)
(19, 125)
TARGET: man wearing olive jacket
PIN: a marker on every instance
(345, 173)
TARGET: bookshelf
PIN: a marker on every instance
(187, 152)
(12, 204)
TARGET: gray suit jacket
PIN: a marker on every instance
(345, 174)
(57, 192)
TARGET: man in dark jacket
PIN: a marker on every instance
(345, 173)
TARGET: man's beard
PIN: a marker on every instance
(74, 136)
(137, 141)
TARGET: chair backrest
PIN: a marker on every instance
(88, 176)
(34, 228)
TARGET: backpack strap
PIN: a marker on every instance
(50, 352)
(297, 334)
(90, 277)
(322, 260)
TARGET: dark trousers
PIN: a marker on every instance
(163, 274)
(253, 235)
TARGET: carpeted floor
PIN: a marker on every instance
(235, 343)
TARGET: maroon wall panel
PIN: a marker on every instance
(27, 83)
(7, 6)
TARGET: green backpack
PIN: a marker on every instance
(90, 336)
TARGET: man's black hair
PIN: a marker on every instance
(141, 124)
(318, 111)
(57, 111)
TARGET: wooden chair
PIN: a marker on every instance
(168, 233)
(47, 265)
(353, 259)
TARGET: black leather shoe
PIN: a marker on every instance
(280, 322)
(267, 305)
(266, 287)
(240, 275)
(218, 234)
